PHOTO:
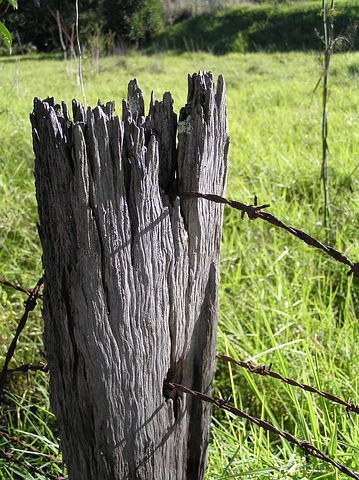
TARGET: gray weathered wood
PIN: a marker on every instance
(131, 278)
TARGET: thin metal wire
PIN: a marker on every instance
(30, 304)
(30, 367)
(17, 441)
(267, 372)
(14, 286)
(255, 211)
(308, 448)
(9, 457)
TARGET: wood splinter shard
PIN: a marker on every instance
(131, 278)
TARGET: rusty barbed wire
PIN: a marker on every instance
(17, 441)
(30, 367)
(16, 286)
(9, 457)
(306, 446)
(267, 372)
(255, 211)
(30, 448)
(30, 304)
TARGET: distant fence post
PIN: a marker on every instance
(131, 278)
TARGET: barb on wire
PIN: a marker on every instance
(308, 448)
(30, 304)
(256, 211)
(267, 372)
(30, 367)
(26, 446)
(9, 457)
(16, 286)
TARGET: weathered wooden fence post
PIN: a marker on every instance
(131, 278)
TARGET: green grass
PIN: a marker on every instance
(281, 302)
(265, 26)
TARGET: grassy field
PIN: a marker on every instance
(282, 303)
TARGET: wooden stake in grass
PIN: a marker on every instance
(79, 58)
(132, 276)
(328, 38)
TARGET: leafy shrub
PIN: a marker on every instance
(353, 69)
(133, 20)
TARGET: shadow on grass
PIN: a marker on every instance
(252, 28)
(39, 57)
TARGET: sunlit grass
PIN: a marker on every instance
(282, 303)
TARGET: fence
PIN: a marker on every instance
(254, 212)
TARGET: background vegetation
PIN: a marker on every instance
(282, 303)
(217, 26)
(132, 21)
(267, 26)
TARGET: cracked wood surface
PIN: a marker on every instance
(131, 277)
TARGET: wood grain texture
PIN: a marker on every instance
(131, 277)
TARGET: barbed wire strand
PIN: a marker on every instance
(255, 211)
(307, 447)
(267, 372)
(13, 439)
(14, 286)
(30, 304)
(17, 287)
(30, 448)
(9, 457)
(29, 367)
